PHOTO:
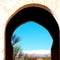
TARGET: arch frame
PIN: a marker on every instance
(32, 12)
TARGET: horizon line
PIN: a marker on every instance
(36, 51)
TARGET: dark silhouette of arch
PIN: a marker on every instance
(36, 14)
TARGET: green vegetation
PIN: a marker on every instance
(16, 48)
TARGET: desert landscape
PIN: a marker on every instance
(33, 56)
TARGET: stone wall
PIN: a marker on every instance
(8, 7)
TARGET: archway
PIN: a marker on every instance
(42, 16)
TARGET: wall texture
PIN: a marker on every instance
(8, 7)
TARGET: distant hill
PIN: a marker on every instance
(36, 53)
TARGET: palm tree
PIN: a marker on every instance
(16, 48)
(14, 39)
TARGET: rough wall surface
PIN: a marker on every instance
(8, 7)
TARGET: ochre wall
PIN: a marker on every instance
(8, 7)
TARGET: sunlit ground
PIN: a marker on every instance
(31, 58)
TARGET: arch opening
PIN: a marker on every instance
(39, 15)
(31, 39)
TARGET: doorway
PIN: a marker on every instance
(38, 15)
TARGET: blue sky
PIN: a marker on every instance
(33, 37)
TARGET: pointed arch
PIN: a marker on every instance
(39, 14)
